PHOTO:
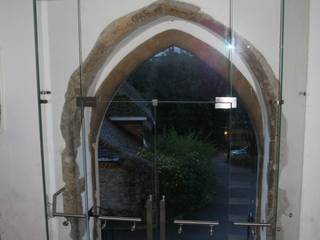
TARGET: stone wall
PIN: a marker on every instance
(124, 188)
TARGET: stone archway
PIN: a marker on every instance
(84, 77)
(206, 53)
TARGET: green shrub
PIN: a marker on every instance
(186, 172)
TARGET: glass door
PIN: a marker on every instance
(207, 170)
(243, 186)
(63, 136)
(125, 169)
(191, 169)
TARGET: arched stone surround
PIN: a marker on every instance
(83, 78)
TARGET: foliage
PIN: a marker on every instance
(186, 171)
(178, 76)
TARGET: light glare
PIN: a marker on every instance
(230, 46)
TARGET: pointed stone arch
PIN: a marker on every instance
(83, 78)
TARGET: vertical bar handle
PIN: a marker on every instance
(149, 218)
(163, 218)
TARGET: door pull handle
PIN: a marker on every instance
(253, 224)
(163, 218)
(149, 218)
(253, 227)
(105, 219)
(67, 216)
(210, 224)
(55, 213)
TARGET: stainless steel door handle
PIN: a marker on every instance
(253, 227)
(120, 219)
(105, 218)
(163, 218)
(59, 214)
(210, 224)
(149, 218)
(252, 224)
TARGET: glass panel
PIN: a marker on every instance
(243, 162)
(62, 145)
(206, 159)
(125, 161)
(190, 137)
(254, 124)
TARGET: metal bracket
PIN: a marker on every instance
(303, 93)
(86, 101)
(43, 101)
(225, 102)
(45, 92)
(280, 102)
(155, 102)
